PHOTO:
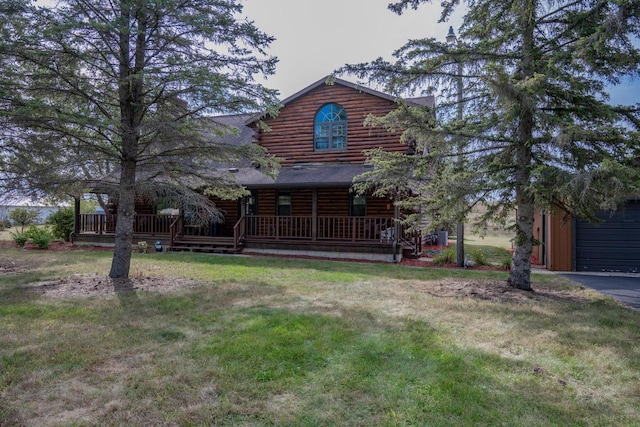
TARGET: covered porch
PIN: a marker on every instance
(372, 238)
(307, 210)
(248, 228)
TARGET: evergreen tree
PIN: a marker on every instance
(114, 97)
(536, 131)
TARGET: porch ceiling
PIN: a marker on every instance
(307, 175)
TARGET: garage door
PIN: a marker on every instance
(613, 245)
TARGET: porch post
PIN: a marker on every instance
(398, 229)
(396, 224)
(76, 215)
(314, 215)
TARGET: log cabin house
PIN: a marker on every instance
(309, 208)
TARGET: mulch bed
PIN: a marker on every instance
(429, 264)
(430, 252)
(56, 245)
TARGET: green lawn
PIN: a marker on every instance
(491, 249)
(278, 342)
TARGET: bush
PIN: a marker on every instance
(7, 223)
(448, 256)
(505, 264)
(19, 238)
(24, 217)
(40, 237)
(61, 223)
(142, 247)
(479, 257)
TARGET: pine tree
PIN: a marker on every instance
(537, 129)
(114, 97)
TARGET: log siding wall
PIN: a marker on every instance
(291, 134)
(231, 211)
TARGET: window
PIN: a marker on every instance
(330, 128)
(358, 205)
(284, 203)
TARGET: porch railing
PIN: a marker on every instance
(239, 231)
(278, 227)
(356, 228)
(174, 230)
(142, 224)
(97, 223)
(336, 228)
(343, 228)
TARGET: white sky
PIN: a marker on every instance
(313, 38)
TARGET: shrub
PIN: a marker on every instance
(505, 264)
(40, 237)
(448, 256)
(142, 247)
(19, 238)
(24, 217)
(7, 223)
(61, 223)
(479, 257)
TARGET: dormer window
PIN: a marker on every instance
(330, 128)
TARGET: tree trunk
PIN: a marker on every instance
(459, 244)
(520, 274)
(121, 262)
(130, 93)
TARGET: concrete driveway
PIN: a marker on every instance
(623, 287)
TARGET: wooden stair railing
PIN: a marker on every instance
(238, 232)
(174, 231)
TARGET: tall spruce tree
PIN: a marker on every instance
(114, 96)
(537, 129)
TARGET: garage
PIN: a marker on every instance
(611, 246)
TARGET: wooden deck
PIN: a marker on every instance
(373, 235)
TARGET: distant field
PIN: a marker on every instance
(498, 240)
(6, 233)
(494, 247)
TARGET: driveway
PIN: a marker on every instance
(625, 287)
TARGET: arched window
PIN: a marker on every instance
(330, 128)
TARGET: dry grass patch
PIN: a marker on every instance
(13, 266)
(93, 285)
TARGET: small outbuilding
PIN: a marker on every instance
(44, 208)
(611, 245)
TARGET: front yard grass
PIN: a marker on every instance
(492, 248)
(265, 341)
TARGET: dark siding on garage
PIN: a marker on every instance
(613, 245)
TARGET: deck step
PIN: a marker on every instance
(206, 249)
(205, 244)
